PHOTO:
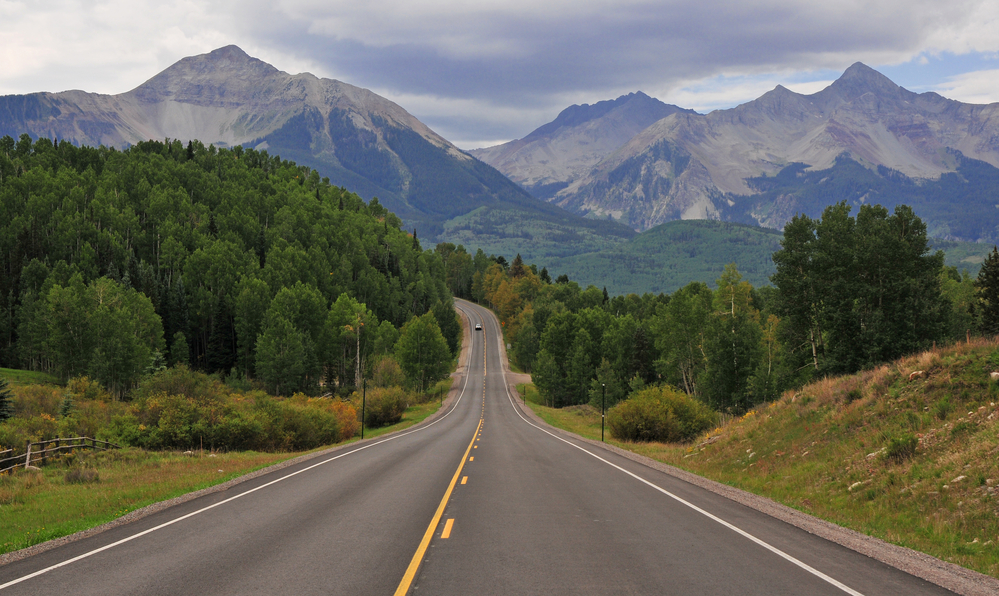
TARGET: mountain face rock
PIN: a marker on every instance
(693, 166)
(358, 139)
(556, 154)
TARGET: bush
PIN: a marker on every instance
(943, 408)
(385, 405)
(387, 372)
(659, 414)
(901, 448)
(85, 388)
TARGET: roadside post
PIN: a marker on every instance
(603, 397)
(364, 394)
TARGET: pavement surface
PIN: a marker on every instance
(482, 499)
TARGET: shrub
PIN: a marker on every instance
(901, 448)
(660, 414)
(181, 380)
(385, 405)
(942, 408)
(85, 388)
(387, 372)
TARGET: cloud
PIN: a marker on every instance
(972, 87)
(492, 69)
(724, 92)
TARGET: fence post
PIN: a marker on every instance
(27, 456)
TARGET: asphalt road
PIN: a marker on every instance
(482, 501)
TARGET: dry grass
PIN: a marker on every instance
(827, 449)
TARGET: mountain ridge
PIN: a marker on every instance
(550, 157)
(693, 166)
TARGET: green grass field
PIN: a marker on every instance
(27, 377)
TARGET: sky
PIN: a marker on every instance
(482, 72)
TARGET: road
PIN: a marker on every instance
(481, 501)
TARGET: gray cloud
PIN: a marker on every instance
(494, 69)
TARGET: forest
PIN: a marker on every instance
(116, 264)
(849, 292)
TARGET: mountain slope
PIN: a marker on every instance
(561, 151)
(358, 139)
(694, 166)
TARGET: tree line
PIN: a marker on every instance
(229, 261)
(849, 292)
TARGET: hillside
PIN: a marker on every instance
(913, 462)
(669, 256)
(228, 261)
(359, 140)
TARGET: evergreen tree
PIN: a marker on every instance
(987, 293)
(517, 269)
(6, 401)
(66, 407)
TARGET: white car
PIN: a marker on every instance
(478, 326)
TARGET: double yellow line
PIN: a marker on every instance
(414, 565)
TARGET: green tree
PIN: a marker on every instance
(422, 352)
(987, 292)
(450, 326)
(179, 353)
(6, 401)
(679, 328)
(281, 356)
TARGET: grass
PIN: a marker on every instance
(36, 506)
(88, 489)
(874, 452)
(27, 377)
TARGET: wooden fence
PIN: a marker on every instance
(32, 454)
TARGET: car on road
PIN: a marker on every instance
(478, 326)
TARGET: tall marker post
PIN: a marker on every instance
(603, 398)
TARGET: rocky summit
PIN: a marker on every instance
(693, 166)
(356, 138)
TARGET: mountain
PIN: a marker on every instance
(554, 155)
(358, 139)
(694, 166)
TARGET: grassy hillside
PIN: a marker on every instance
(662, 259)
(913, 462)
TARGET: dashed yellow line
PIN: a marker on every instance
(447, 528)
(464, 479)
(414, 564)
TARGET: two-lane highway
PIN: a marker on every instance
(481, 501)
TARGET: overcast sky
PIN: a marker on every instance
(481, 72)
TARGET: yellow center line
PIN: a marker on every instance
(414, 564)
(471, 459)
(464, 479)
(447, 528)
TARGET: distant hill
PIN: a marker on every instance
(357, 139)
(671, 255)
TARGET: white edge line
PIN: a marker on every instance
(707, 514)
(233, 498)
